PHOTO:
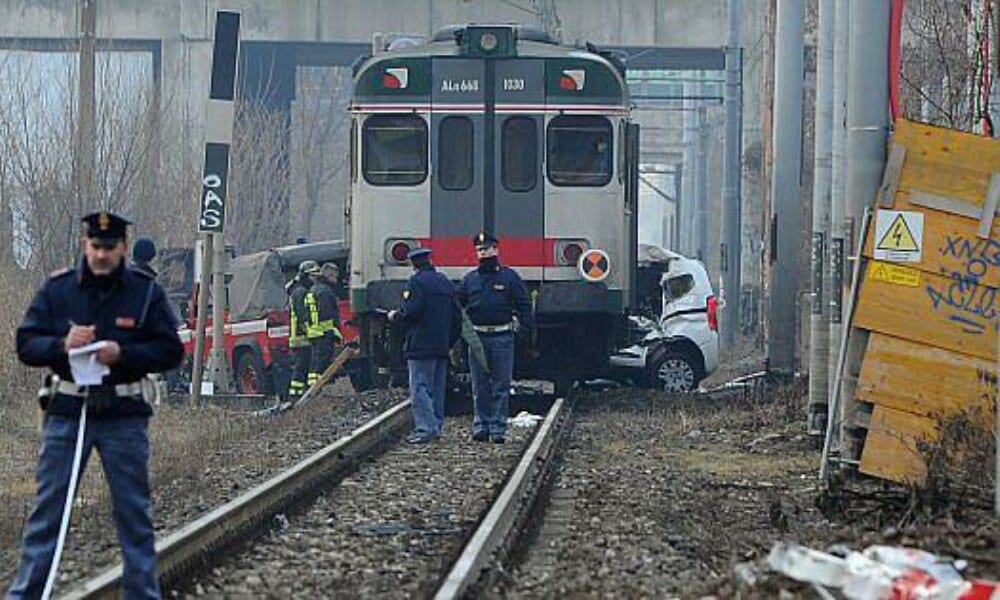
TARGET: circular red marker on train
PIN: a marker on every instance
(594, 265)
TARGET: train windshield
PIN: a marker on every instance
(394, 150)
(580, 150)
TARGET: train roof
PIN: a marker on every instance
(605, 78)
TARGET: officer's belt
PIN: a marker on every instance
(122, 390)
(494, 328)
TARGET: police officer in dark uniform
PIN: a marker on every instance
(493, 295)
(298, 320)
(102, 300)
(143, 253)
(323, 330)
(434, 321)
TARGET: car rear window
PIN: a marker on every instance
(678, 286)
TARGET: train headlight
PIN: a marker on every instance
(398, 249)
(568, 252)
(488, 42)
(571, 253)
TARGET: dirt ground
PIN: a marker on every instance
(748, 473)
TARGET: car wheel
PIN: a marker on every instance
(673, 371)
(250, 375)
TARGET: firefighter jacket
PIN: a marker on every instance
(298, 312)
(127, 307)
(324, 314)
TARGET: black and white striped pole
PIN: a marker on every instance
(219, 119)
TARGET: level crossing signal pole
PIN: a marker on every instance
(219, 118)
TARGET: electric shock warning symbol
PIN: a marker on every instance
(899, 235)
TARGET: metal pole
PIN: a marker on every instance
(86, 115)
(201, 317)
(819, 340)
(702, 216)
(838, 187)
(867, 129)
(785, 205)
(689, 182)
(731, 248)
(218, 364)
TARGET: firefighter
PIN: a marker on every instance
(323, 329)
(298, 319)
(101, 300)
(493, 295)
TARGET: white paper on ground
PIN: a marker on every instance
(84, 366)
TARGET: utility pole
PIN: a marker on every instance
(819, 348)
(785, 206)
(867, 129)
(702, 216)
(732, 244)
(689, 182)
(838, 186)
(87, 107)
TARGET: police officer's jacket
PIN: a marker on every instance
(431, 314)
(298, 312)
(127, 307)
(492, 294)
(324, 314)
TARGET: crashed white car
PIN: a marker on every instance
(680, 349)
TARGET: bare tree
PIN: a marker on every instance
(257, 210)
(943, 63)
(321, 130)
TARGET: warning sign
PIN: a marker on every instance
(594, 265)
(894, 274)
(899, 235)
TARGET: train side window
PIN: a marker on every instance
(456, 151)
(519, 154)
(394, 150)
(580, 150)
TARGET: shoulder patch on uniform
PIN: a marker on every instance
(60, 272)
(406, 294)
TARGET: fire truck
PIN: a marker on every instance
(256, 314)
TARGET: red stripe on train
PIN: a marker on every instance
(514, 252)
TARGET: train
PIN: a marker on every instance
(496, 128)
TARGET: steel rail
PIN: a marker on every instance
(502, 517)
(235, 521)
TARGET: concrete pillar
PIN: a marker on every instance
(785, 209)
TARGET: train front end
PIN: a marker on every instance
(499, 129)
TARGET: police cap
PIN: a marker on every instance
(105, 225)
(309, 267)
(484, 238)
(418, 253)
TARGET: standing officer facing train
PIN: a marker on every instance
(101, 300)
(493, 296)
(433, 321)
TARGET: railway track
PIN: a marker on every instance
(366, 512)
